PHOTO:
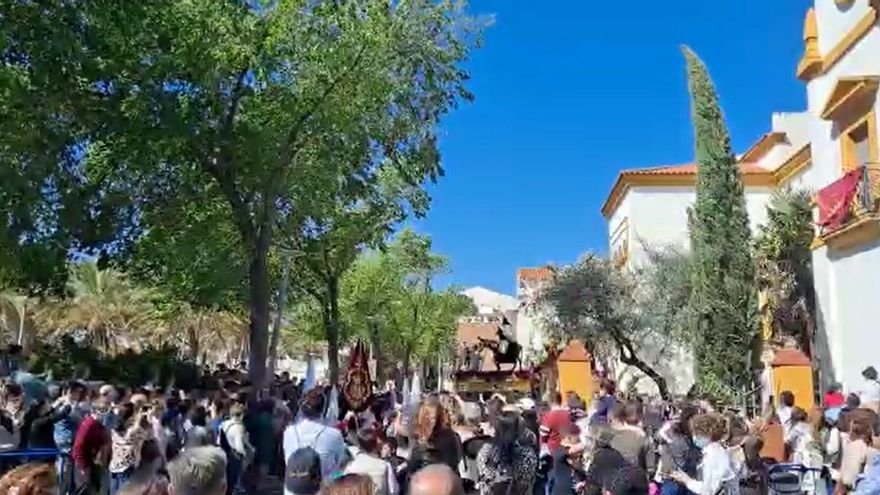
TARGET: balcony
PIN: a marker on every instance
(849, 209)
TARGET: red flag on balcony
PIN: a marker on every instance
(835, 200)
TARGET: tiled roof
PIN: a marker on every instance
(790, 357)
(691, 169)
(534, 274)
(677, 175)
(574, 351)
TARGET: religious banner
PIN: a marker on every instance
(835, 200)
(358, 386)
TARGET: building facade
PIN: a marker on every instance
(841, 69)
(831, 149)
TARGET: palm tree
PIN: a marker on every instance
(106, 306)
(207, 333)
(784, 268)
(17, 319)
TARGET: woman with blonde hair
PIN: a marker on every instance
(350, 484)
(434, 441)
(30, 479)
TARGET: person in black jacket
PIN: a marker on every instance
(566, 474)
(38, 426)
(607, 466)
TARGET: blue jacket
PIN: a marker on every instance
(870, 483)
(65, 429)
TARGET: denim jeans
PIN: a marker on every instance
(234, 467)
(670, 487)
(118, 480)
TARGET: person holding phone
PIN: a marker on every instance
(717, 474)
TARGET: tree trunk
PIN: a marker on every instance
(627, 356)
(333, 330)
(259, 325)
(377, 353)
(279, 319)
(407, 357)
(192, 336)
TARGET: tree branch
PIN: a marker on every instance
(232, 110)
(629, 357)
(240, 209)
(291, 145)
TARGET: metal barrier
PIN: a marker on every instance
(61, 460)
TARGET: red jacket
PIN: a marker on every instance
(91, 437)
(834, 399)
(553, 425)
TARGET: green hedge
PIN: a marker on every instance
(159, 366)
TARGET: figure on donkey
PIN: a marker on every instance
(504, 350)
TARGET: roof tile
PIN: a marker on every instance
(534, 274)
(574, 351)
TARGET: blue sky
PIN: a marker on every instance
(570, 92)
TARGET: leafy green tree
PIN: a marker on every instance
(371, 292)
(724, 295)
(785, 268)
(595, 301)
(664, 291)
(56, 87)
(418, 304)
(193, 254)
(258, 104)
(329, 252)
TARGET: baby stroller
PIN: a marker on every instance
(790, 478)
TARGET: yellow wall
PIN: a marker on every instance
(576, 376)
(796, 379)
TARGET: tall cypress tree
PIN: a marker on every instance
(723, 301)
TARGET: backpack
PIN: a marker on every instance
(226, 447)
(304, 451)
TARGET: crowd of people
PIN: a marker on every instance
(226, 437)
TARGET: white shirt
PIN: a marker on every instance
(716, 470)
(237, 437)
(784, 414)
(326, 441)
(870, 393)
(378, 470)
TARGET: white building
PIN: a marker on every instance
(520, 312)
(837, 133)
(841, 68)
(489, 302)
(529, 331)
(647, 209)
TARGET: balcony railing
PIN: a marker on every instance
(861, 202)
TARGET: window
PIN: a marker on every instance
(859, 143)
(620, 243)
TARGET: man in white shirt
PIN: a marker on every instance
(311, 432)
(367, 462)
(786, 405)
